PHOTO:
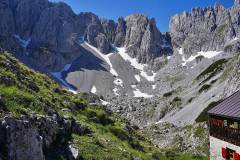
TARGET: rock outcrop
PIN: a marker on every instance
(205, 29)
(54, 32)
(233, 71)
(143, 39)
(31, 137)
(120, 33)
(51, 33)
(7, 25)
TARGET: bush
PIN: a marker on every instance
(168, 94)
(100, 118)
(170, 155)
(191, 99)
(199, 58)
(176, 102)
(121, 134)
(205, 87)
(177, 99)
(212, 70)
(136, 145)
(203, 117)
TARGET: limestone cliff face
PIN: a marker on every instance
(120, 33)
(54, 32)
(7, 25)
(205, 29)
(142, 38)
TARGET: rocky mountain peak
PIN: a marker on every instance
(120, 32)
(237, 2)
(143, 39)
(56, 29)
(204, 29)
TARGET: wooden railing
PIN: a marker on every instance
(230, 135)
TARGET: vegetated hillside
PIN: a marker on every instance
(41, 120)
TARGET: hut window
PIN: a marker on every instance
(233, 125)
(225, 129)
(225, 123)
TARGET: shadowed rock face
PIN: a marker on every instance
(7, 26)
(205, 28)
(120, 33)
(55, 32)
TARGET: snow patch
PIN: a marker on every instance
(118, 82)
(233, 40)
(138, 93)
(133, 61)
(158, 122)
(115, 91)
(133, 86)
(94, 89)
(149, 78)
(154, 86)
(180, 51)
(22, 42)
(207, 54)
(74, 151)
(135, 64)
(105, 57)
(58, 75)
(104, 102)
(73, 91)
(137, 77)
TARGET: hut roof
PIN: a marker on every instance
(230, 107)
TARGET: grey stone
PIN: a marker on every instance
(120, 33)
(102, 43)
(204, 29)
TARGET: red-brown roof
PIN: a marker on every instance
(230, 107)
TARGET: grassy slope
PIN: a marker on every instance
(24, 91)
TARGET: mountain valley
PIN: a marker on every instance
(126, 81)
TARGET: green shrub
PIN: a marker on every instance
(120, 133)
(203, 117)
(177, 99)
(212, 70)
(171, 155)
(136, 145)
(176, 102)
(199, 58)
(168, 94)
(205, 87)
(191, 99)
(213, 81)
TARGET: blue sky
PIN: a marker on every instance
(161, 10)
